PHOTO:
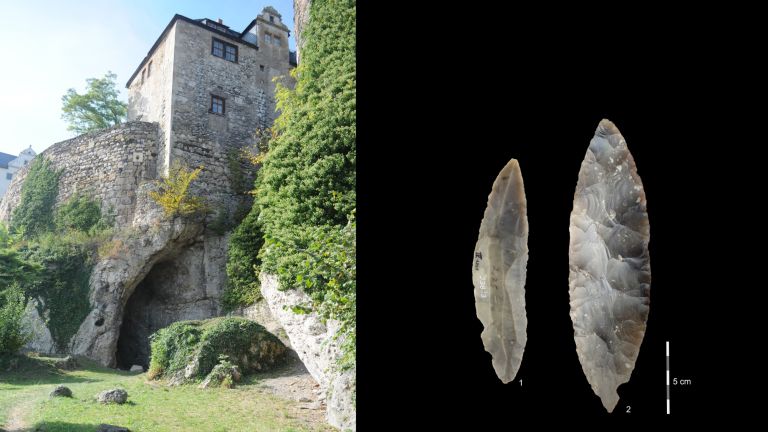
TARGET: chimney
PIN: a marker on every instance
(220, 21)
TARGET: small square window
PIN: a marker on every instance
(261, 68)
(276, 40)
(271, 19)
(217, 105)
(268, 38)
(8, 176)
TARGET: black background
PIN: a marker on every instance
(438, 121)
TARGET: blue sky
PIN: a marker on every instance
(53, 45)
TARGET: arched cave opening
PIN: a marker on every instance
(140, 319)
(173, 290)
(149, 309)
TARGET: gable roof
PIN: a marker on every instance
(232, 35)
(5, 159)
(228, 33)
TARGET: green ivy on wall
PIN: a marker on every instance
(62, 244)
(34, 214)
(305, 190)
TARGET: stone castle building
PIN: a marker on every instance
(10, 164)
(197, 98)
(209, 88)
(207, 84)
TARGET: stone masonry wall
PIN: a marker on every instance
(107, 165)
(149, 96)
(204, 138)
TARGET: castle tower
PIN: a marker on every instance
(210, 88)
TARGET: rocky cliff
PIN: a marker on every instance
(318, 348)
(156, 271)
(159, 271)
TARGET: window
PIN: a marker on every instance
(230, 53)
(8, 176)
(218, 48)
(276, 40)
(224, 50)
(261, 68)
(149, 69)
(271, 19)
(142, 74)
(217, 105)
(268, 38)
(26, 162)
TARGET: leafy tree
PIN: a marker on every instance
(173, 195)
(12, 334)
(15, 269)
(97, 108)
(14, 272)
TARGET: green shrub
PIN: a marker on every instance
(12, 305)
(34, 214)
(54, 261)
(174, 347)
(14, 269)
(305, 189)
(63, 285)
(79, 213)
(173, 195)
(242, 261)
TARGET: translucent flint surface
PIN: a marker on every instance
(498, 272)
(610, 271)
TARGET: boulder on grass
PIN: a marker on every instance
(111, 428)
(224, 374)
(67, 363)
(189, 350)
(137, 368)
(117, 396)
(61, 391)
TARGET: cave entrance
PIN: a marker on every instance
(174, 290)
(144, 315)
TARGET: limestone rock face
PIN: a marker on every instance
(498, 272)
(314, 342)
(41, 340)
(154, 271)
(610, 271)
(260, 313)
(114, 279)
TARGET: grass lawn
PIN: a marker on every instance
(151, 406)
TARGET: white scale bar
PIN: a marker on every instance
(667, 377)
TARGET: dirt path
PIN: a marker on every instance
(15, 421)
(293, 382)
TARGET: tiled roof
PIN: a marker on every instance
(5, 159)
